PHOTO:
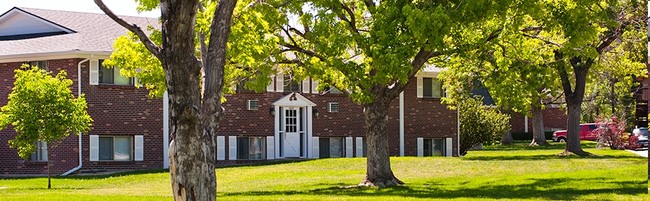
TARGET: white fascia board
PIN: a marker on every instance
(54, 55)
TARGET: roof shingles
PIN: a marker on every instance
(94, 33)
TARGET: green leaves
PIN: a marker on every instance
(42, 108)
(480, 124)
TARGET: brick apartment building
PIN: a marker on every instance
(130, 130)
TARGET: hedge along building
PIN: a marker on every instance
(131, 131)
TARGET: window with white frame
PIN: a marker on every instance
(112, 76)
(115, 148)
(40, 64)
(291, 84)
(41, 152)
(331, 147)
(333, 107)
(252, 104)
(432, 88)
(251, 148)
(434, 147)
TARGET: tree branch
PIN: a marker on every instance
(153, 48)
(371, 6)
(215, 62)
(543, 40)
(564, 76)
(302, 50)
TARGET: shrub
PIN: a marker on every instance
(611, 133)
(480, 124)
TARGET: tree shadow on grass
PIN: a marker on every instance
(546, 157)
(537, 189)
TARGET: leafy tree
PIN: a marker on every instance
(191, 55)
(611, 85)
(42, 108)
(568, 37)
(581, 31)
(480, 123)
(513, 68)
(370, 50)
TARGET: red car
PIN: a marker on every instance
(586, 133)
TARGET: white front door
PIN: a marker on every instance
(292, 132)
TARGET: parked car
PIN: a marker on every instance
(586, 133)
(638, 139)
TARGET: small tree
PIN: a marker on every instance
(611, 132)
(480, 123)
(42, 108)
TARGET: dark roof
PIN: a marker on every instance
(483, 92)
(91, 32)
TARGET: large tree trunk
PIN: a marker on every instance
(539, 139)
(506, 138)
(573, 129)
(378, 171)
(191, 152)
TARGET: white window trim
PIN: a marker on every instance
(131, 151)
(329, 106)
(249, 107)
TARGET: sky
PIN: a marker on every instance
(120, 7)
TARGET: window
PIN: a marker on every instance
(251, 148)
(252, 105)
(434, 147)
(332, 147)
(115, 148)
(290, 84)
(41, 152)
(40, 64)
(112, 76)
(291, 121)
(333, 107)
(432, 88)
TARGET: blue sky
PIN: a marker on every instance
(121, 7)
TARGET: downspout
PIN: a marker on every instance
(401, 124)
(80, 139)
(166, 130)
(458, 132)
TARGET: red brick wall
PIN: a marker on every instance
(423, 118)
(554, 119)
(116, 111)
(426, 118)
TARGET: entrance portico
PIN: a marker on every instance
(293, 127)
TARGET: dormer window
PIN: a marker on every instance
(290, 84)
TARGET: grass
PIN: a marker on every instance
(496, 173)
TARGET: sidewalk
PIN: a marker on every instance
(640, 152)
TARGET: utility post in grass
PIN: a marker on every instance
(42, 109)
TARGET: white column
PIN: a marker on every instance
(309, 135)
(458, 132)
(401, 123)
(526, 124)
(166, 130)
(277, 130)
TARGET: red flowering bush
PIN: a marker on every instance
(611, 133)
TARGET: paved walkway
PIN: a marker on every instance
(640, 152)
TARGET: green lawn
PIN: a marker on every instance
(503, 173)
